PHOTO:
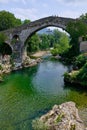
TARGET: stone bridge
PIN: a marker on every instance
(17, 37)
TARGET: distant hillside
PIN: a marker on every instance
(45, 31)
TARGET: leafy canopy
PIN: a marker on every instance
(8, 20)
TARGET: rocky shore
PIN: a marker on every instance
(61, 117)
(6, 66)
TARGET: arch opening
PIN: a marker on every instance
(47, 31)
(5, 53)
(5, 49)
(16, 37)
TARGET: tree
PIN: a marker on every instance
(57, 34)
(83, 17)
(8, 20)
(62, 46)
(33, 43)
(44, 41)
(76, 29)
(26, 21)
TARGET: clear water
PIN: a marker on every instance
(31, 92)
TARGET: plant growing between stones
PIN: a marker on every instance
(59, 118)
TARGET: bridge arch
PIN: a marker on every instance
(5, 49)
(22, 33)
(42, 27)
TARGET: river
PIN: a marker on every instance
(29, 93)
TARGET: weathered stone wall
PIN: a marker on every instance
(83, 46)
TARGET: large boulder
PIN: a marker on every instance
(61, 117)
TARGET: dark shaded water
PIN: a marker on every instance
(29, 93)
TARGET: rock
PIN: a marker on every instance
(61, 117)
(17, 66)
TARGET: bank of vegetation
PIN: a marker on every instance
(78, 76)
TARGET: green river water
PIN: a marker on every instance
(29, 93)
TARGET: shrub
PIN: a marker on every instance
(82, 75)
(66, 75)
(54, 52)
(80, 60)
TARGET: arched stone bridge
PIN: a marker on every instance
(18, 36)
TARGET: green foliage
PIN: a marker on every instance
(54, 52)
(33, 43)
(78, 76)
(57, 35)
(83, 17)
(80, 60)
(39, 125)
(71, 76)
(76, 29)
(44, 41)
(26, 21)
(82, 75)
(62, 46)
(66, 75)
(2, 38)
(17, 22)
(59, 118)
(8, 20)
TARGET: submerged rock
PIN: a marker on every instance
(61, 117)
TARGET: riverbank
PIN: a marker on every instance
(7, 67)
(39, 54)
(78, 77)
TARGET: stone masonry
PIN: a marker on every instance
(17, 37)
